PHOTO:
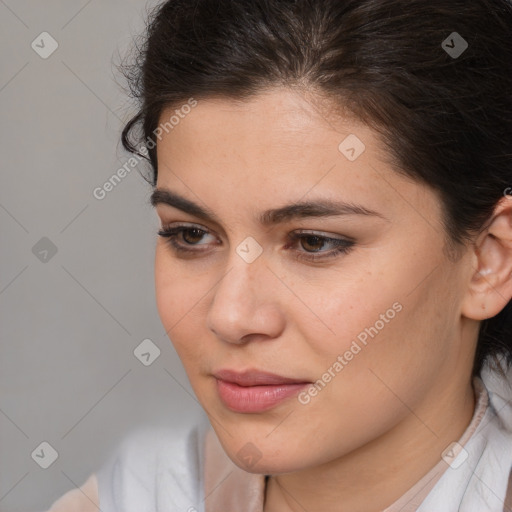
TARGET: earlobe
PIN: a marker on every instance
(490, 287)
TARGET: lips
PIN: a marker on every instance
(254, 391)
(255, 378)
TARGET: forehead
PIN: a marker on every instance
(282, 144)
(280, 115)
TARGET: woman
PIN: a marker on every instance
(334, 260)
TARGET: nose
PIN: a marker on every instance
(245, 303)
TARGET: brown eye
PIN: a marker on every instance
(192, 236)
(312, 243)
(184, 239)
(311, 247)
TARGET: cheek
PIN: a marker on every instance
(348, 310)
(178, 301)
(168, 287)
(393, 322)
(398, 358)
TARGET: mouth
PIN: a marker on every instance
(254, 391)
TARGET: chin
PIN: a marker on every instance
(269, 463)
(254, 451)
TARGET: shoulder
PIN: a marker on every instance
(150, 469)
(480, 477)
(499, 387)
(148, 450)
(83, 499)
(154, 469)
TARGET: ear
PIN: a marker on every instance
(490, 288)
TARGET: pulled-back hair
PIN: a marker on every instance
(443, 111)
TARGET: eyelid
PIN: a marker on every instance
(170, 226)
(322, 234)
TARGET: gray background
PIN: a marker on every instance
(69, 325)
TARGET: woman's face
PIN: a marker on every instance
(356, 338)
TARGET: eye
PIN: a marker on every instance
(190, 235)
(184, 238)
(313, 243)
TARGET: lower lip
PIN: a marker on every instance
(255, 398)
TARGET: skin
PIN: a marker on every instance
(383, 421)
(82, 499)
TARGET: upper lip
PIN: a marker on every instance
(255, 378)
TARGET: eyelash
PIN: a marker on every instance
(343, 246)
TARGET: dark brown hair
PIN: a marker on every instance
(443, 110)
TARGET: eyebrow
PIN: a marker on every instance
(297, 210)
